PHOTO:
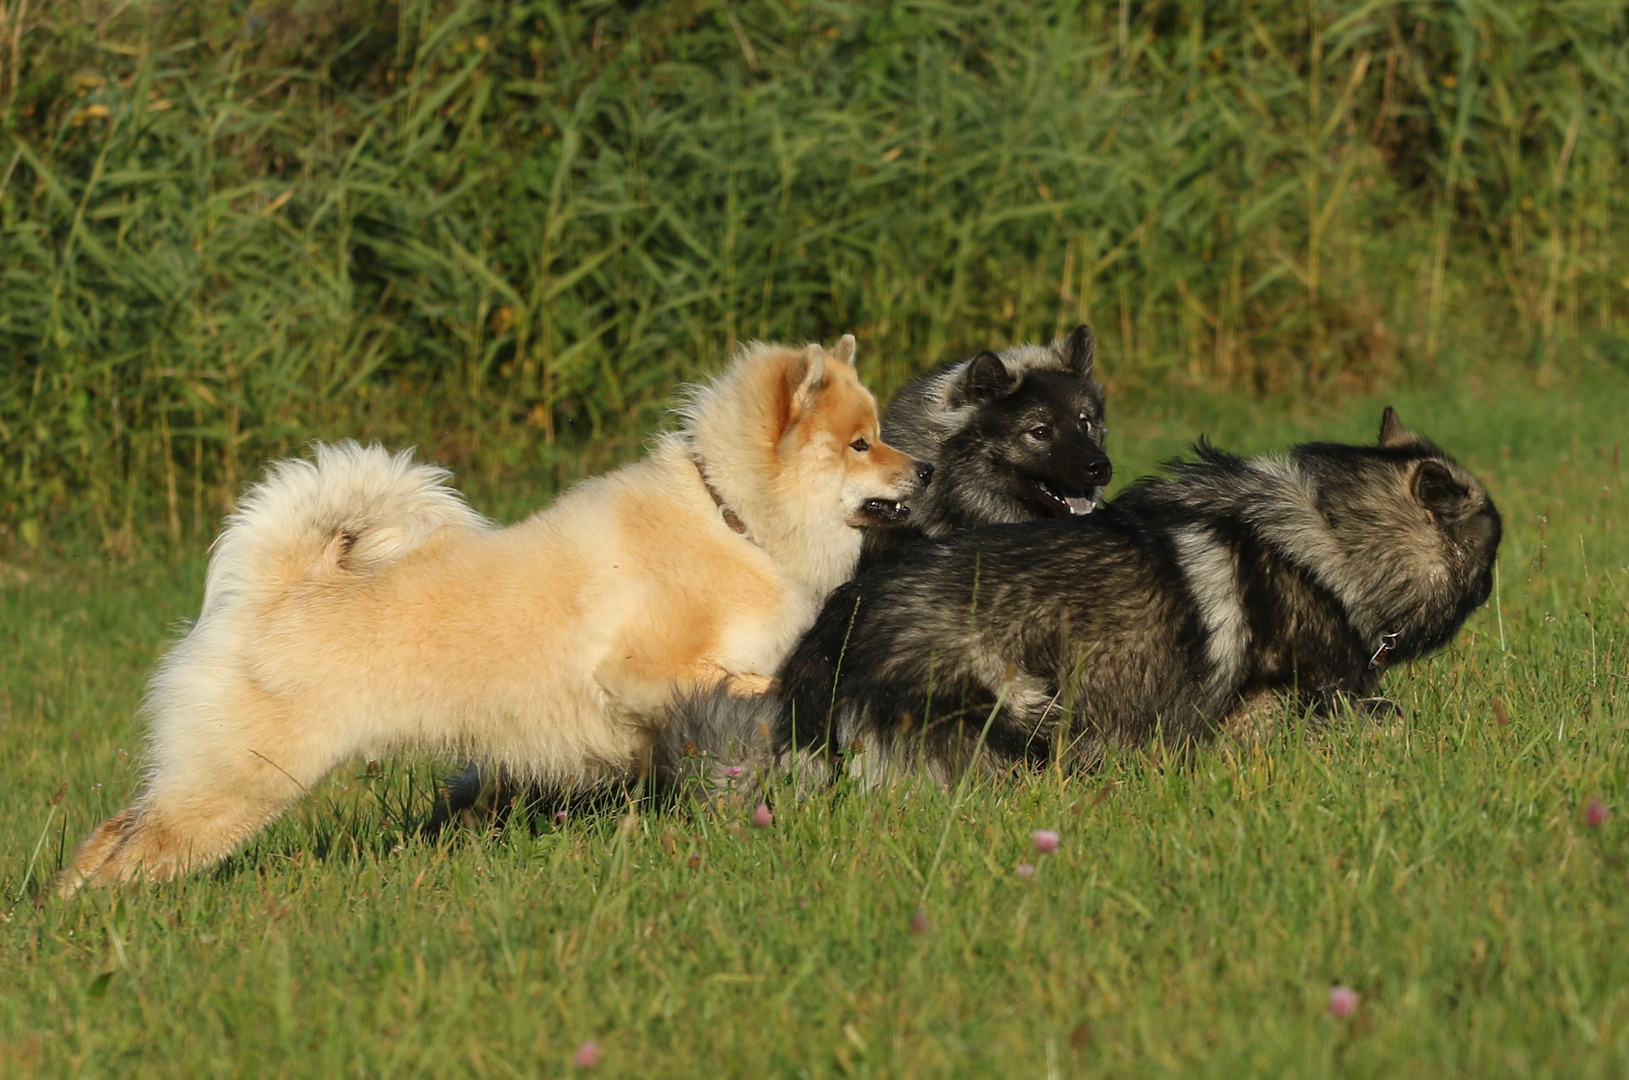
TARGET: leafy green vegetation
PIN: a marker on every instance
(503, 229)
(1191, 923)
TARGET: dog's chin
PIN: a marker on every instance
(880, 513)
(1053, 499)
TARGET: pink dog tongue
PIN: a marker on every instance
(1078, 505)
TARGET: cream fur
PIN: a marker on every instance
(356, 605)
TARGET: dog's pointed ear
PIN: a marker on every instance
(843, 351)
(807, 378)
(987, 378)
(1392, 431)
(1078, 350)
(1436, 489)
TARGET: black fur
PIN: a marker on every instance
(1014, 436)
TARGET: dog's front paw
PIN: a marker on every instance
(749, 685)
(1339, 704)
(1382, 710)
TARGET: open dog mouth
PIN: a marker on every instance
(1066, 502)
(883, 512)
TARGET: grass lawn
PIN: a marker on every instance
(1192, 922)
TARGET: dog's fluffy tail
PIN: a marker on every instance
(348, 514)
(717, 745)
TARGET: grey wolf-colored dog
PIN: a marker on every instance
(1306, 575)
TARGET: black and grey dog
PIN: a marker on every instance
(1306, 575)
(1013, 436)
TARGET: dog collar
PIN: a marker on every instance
(1388, 642)
(731, 518)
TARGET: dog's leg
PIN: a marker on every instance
(749, 685)
(1331, 706)
(207, 795)
(1256, 717)
(166, 832)
(479, 799)
(640, 691)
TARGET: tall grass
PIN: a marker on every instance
(505, 228)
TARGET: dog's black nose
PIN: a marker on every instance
(924, 472)
(1099, 473)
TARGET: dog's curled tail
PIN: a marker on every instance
(352, 511)
(718, 745)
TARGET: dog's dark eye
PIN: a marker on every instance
(859, 446)
(1040, 432)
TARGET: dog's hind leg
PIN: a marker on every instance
(206, 796)
(170, 830)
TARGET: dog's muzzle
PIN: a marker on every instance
(1068, 502)
(886, 512)
(883, 512)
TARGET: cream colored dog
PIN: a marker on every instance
(357, 604)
